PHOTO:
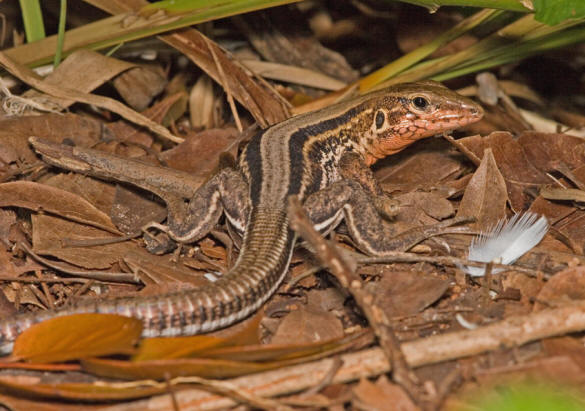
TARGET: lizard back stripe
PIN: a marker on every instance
(297, 147)
(252, 159)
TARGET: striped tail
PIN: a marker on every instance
(259, 270)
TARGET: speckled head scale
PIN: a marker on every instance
(408, 112)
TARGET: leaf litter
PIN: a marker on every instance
(69, 235)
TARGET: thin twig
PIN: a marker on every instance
(46, 291)
(44, 280)
(402, 257)
(92, 242)
(341, 269)
(225, 86)
(467, 152)
(337, 364)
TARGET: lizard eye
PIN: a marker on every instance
(420, 102)
(380, 118)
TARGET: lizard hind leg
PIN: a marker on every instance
(189, 221)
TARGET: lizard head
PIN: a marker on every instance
(404, 113)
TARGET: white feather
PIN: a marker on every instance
(506, 242)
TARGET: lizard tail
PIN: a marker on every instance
(261, 267)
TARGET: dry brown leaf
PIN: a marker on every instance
(137, 136)
(170, 368)
(7, 221)
(404, 293)
(308, 324)
(421, 207)
(283, 38)
(23, 294)
(563, 287)
(83, 70)
(485, 197)
(528, 287)
(14, 134)
(50, 232)
(11, 267)
(204, 104)
(563, 194)
(513, 163)
(98, 193)
(41, 197)
(294, 74)
(220, 362)
(160, 274)
(567, 220)
(204, 146)
(382, 396)
(139, 85)
(265, 106)
(29, 77)
(566, 346)
(546, 150)
(77, 336)
(425, 164)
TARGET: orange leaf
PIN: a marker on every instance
(176, 347)
(33, 387)
(77, 336)
(243, 333)
(277, 357)
(171, 368)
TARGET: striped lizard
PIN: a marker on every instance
(322, 157)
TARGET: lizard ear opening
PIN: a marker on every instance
(380, 119)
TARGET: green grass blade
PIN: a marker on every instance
(510, 5)
(61, 33)
(32, 17)
(519, 52)
(424, 51)
(126, 27)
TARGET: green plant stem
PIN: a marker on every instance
(32, 17)
(60, 33)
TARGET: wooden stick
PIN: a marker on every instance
(511, 332)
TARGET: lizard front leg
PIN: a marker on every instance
(352, 167)
(189, 221)
(348, 200)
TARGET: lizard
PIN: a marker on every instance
(323, 158)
